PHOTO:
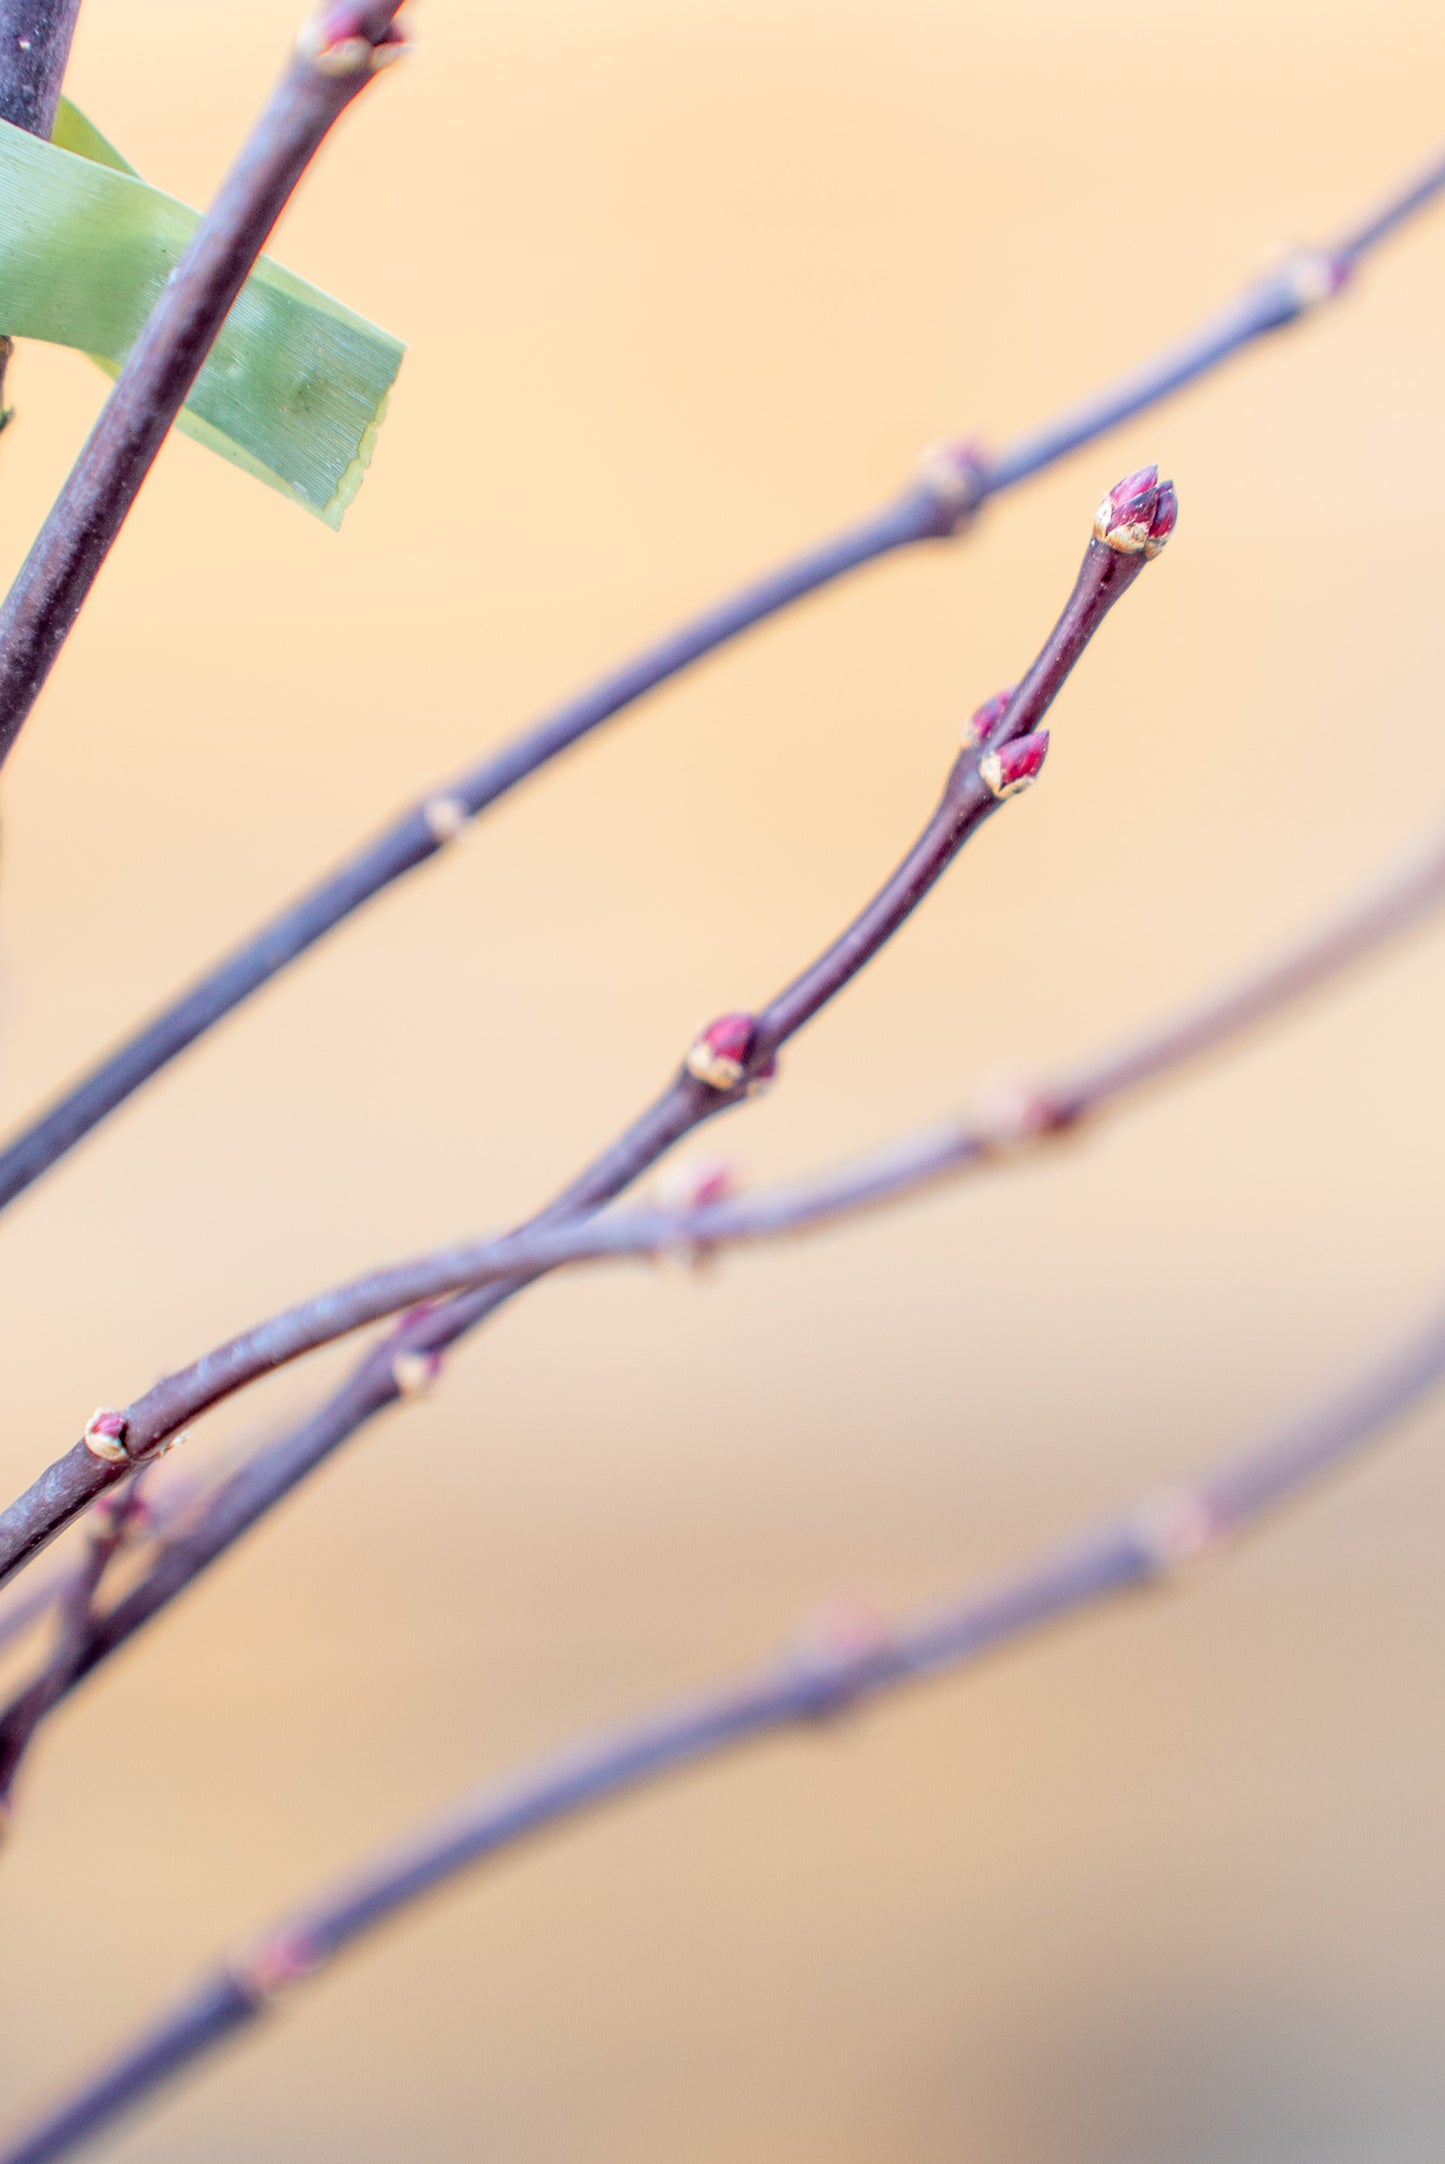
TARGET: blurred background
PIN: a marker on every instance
(685, 287)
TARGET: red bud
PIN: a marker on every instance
(1014, 766)
(984, 723)
(719, 1057)
(1137, 517)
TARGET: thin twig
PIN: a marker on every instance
(1030, 1115)
(731, 1058)
(340, 50)
(830, 1672)
(35, 40)
(953, 484)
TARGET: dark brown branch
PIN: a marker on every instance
(830, 1672)
(728, 1061)
(952, 486)
(1030, 1115)
(339, 52)
(35, 39)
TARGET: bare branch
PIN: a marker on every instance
(340, 50)
(724, 1066)
(953, 484)
(832, 1671)
(1032, 1114)
(35, 39)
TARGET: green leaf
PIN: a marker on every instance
(296, 386)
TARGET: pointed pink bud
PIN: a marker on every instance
(105, 1433)
(982, 725)
(1015, 766)
(1138, 516)
(719, 1057)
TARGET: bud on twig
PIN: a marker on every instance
(1016, 766)
(105, 1435)
(1138, 516)
(719, 1057)
(336, 41)
(956, 476)
(415, 1372)
(691, 1183)
(983, 723)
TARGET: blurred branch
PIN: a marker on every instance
(35, 39)
(339, 51)
(953, 484)
(834, 1669)
(729, 1060)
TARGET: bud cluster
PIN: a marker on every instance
(1138, 516)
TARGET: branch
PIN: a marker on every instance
(339, 51)
(828, 1673)
(35, 38)
(1030, 1116)
(951, 488)
(732, 1058)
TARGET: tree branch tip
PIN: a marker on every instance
(1176, 1529)
(956, 475)
(984, 721)
(1014, 766)
(446, 818)
(105, 1434)
(1138, 515)
(415, 1373)
(337, 40)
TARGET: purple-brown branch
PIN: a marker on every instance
(1031, 1114)
(339, 51)
(35, 39)
(726, 1063)
(941, 503)
(832, 1671)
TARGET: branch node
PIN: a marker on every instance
(1314, 275)
(955, 475)
(1137, 516)
(839, 1651)
(266, 1971)
(446, 818)
(415, 1373)
(1176, 1528)
(1017, 1111)
(105, 1434)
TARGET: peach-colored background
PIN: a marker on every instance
(686, 286)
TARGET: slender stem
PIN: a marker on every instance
(35, 39)
(726, 1063)
(941, 503)
(1030, 1117)
(334, 61)
(829, 1672)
